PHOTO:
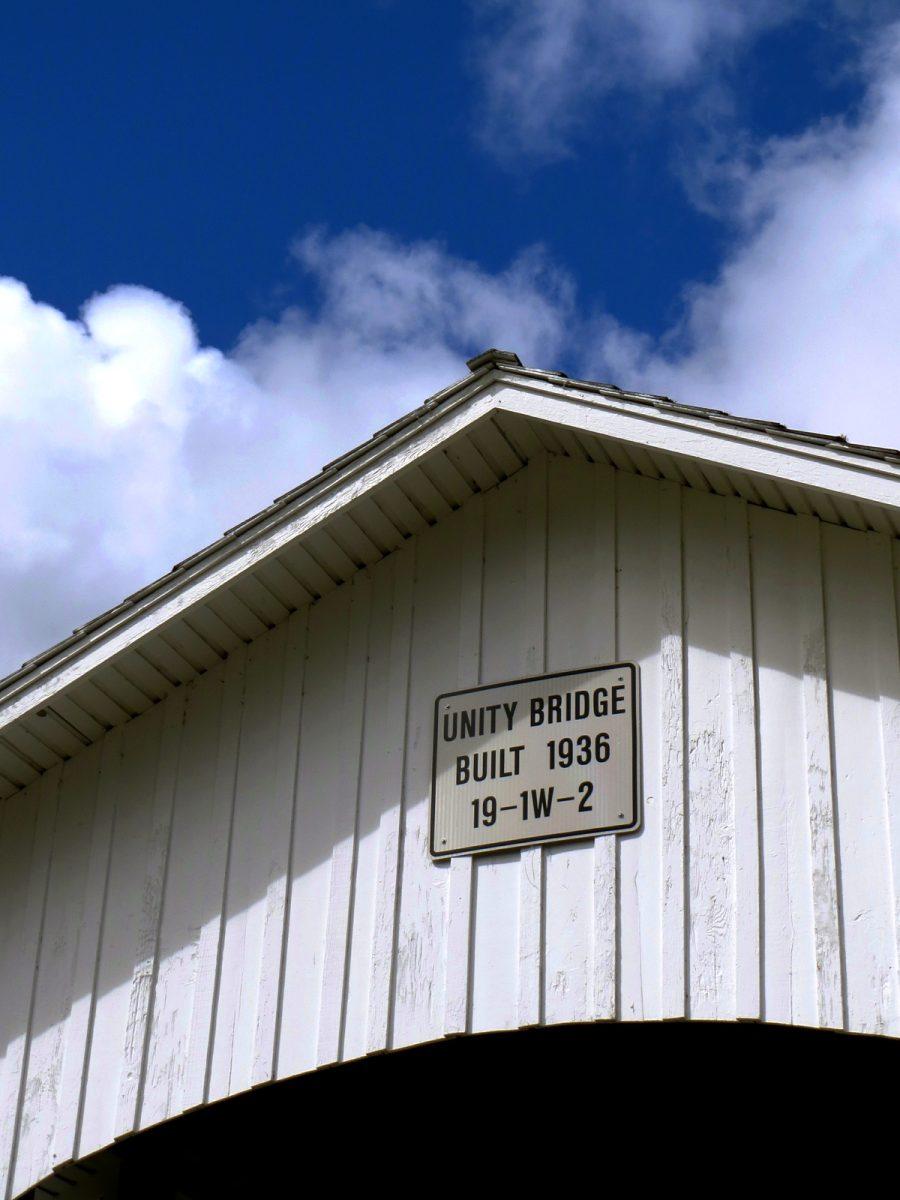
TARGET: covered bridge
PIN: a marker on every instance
(217, 861)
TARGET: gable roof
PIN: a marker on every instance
(360, 507)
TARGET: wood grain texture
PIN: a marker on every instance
(179, 1038)
(28, 825)
(258, 836)
(858, 614)
(820, 783)
(371, 805)
(669, 720)
(791, 656)
(345, 807)
(460, 871)
(43, 1063)
(744, 780)
(236, 885)
(711, 823)
(533, 628)
(388, 792)
(580, 564)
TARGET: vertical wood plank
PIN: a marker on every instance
(372, 805)
(534, 630)
(143, 978)
(801, 884)
(68, 1119)
(744, 783)
(819, 777)
(459, 913)
(606, 858)
(18, 814)
(29, 818)
(345, 807)
(257, 838)
(381, 979)
(418, 1000)
(605, 923)
(193, 895)
(641, 631)
(855, 622)
(884, 631)
(57, 964)
(319, 783)
(671, 726)
(506, 963)
(890, 731)
(580, 632)
(276, 882)
(203, 1009)
(711, 838)
(779, 603)
(460, 874)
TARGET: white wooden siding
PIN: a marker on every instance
(235, 886)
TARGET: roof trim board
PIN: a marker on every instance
(201, 576)
(757, 451)
(499, 383)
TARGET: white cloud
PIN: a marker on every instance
(93, 418)
(802, 324)
(544, 64)
(125, 446)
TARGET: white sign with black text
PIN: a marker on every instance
(536, 760)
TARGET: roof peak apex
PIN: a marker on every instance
(493, 358)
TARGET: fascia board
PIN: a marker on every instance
(755, 452)
(193, 585)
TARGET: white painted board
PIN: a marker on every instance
(168, 966)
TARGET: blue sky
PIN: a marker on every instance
(183, 147)
(236, 239)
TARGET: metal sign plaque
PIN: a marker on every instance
(536, 760)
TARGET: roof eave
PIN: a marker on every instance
(499, 382)
(188, 583)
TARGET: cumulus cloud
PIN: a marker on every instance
(544, 64)
(93, 420)
(124, 445)
(393, 318)
(803, 322)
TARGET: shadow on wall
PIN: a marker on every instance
(602, 592)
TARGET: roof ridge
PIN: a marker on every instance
(839, 441)
(482, 366)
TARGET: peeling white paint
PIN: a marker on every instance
(236, 886)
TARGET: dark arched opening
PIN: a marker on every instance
(507, 1108)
